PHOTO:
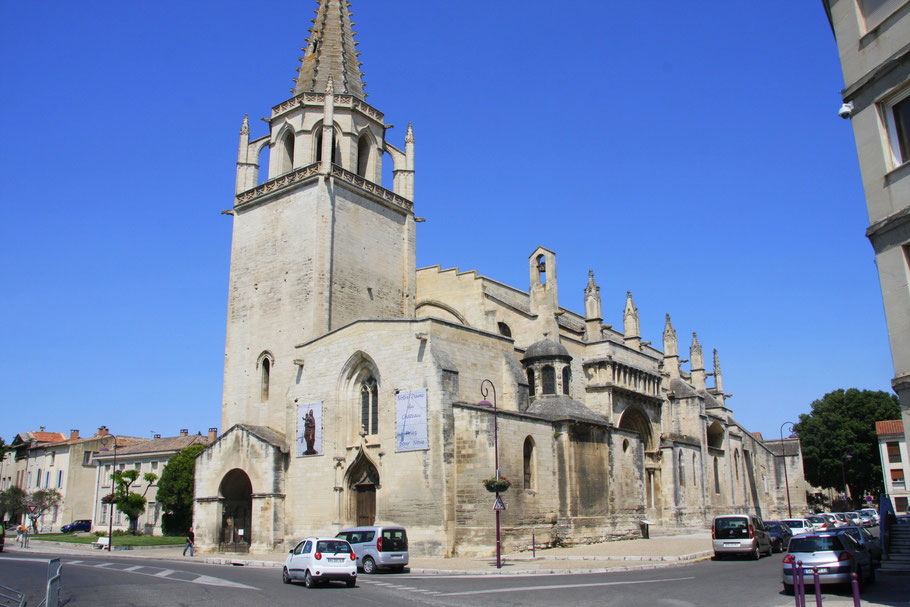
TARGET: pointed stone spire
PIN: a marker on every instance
(331, 52)
(409, 136)
(630, 327)
(718, 378)
(671, 350)
(698, 363)
(245, 127)
(246, 171)
(593, 310)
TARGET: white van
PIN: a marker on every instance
(740, 534)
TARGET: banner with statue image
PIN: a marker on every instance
(309, 429)
(411, 409)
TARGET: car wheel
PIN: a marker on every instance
(351, 583)
(369, 565)
(285, 576)
(308, 580)
(788, 589)
(756, 554)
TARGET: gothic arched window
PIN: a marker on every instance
(548, 380)
(264, 363)
(682, 471)
(716, 476)
(529, 463)
(736, 463)
(694, 472)
(531, 390)
(286, 162)
(369, 406)
(363, 155)
(504, 330)
(566, 377)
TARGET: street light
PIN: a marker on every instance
(843, 471)
(784, 452)
(110, 527)
(485, 403)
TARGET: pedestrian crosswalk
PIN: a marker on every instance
(392, 586)
(161, 573)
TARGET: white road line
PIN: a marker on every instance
(562, 586)
(100, 565)
(164, 573)
(205, 580)
(134, 568)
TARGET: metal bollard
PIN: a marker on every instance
(818, 588)
(533, 545)
(799, 585)
(854, 581)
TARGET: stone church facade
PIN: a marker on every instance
(352, 378)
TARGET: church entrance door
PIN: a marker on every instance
(236, 512)
(363, 482)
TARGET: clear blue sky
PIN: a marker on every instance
(689, 153)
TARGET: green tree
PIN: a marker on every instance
(128, 502)
(12, 503)
(42, 500)
(839, 441)
(176, 490)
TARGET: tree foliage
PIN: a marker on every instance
(176, 490)
(12, 503)
(839, 441)
(42, 500)
(128, 502)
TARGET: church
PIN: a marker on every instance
(359, 389)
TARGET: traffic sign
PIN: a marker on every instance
(32, 509)
(498, 505)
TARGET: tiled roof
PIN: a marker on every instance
(331, 52)
(157, 445)
(48, 437)
(891, 426)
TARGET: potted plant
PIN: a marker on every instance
(497, 485)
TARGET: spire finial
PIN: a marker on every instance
(409, 136)
(245, 127)
(695, 354)
(630, 326)
(330, 86)
(671, 349)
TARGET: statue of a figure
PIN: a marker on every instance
(309, 433)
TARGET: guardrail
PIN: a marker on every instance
(11, 598)
(54, 581)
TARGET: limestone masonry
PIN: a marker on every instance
(351, 377)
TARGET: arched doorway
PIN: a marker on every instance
(363, 481)
(635, 420)
(236, 493)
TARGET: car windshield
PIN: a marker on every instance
(815, 544)
(772, 527)
(332, 546)
(854, 533)
(795, 523)
(727, 528)
(816, 519)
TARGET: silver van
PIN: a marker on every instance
(378, 547)
(742, 534)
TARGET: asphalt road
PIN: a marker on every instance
(124, 581)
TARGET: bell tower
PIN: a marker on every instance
(317, 242)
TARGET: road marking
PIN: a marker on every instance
(205, 580)
(164, 573)
(562, 586)
(135, 568)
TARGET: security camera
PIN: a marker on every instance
(846, 110)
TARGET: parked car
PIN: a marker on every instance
(818, 522)
(842, 520)
(740, 534)
(831, 519)
(378, 547)
(852, 517)
(866, 520)
(321, 559)
(80, 525)
(780, 535)
(798, 526)
(869, 542)
(871, 512)
(837, 556)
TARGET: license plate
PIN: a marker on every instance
(331, 560)
(396, 556)
(731, 544)
(820, 570)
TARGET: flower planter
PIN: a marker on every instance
(497, 485)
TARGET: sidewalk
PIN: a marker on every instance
(625, 555)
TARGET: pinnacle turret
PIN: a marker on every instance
(671, 349)
(630, 326)
(697, 363)
(330, 52)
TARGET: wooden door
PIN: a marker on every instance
(366, 505)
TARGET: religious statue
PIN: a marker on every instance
(309, 433)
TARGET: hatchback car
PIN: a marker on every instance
(780, 535)
(818, 522)
(740, 534)
(837, 556)
(322, 559)
(868, 541)
(81, 525)
(798, 526)
(378, 547)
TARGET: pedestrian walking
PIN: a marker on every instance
(190, 542)
(20, 531)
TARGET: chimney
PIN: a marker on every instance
(102, 430)
(184, 432)
(74, 434)
(213, 434)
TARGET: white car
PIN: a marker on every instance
(798, 526)
(321, 559)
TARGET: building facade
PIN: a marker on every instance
(872, 40)
(892, 448)
(148, 456)
(352, 379)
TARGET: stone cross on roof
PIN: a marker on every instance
(330, 53)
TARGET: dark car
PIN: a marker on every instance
(865, 539)
(780, 535)
(83, 525)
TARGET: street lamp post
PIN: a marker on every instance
(843, 471)
(784, 452)
(485, 403)
(110, 526)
